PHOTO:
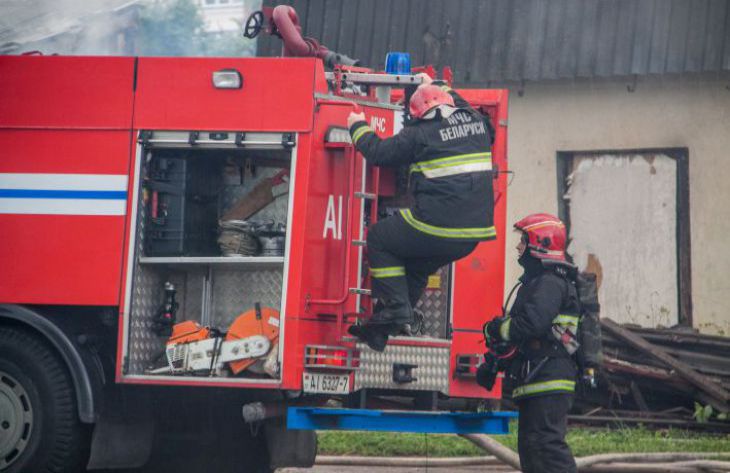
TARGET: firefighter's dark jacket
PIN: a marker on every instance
(450, 170)
(543, 365)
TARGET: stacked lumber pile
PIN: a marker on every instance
(655, 377)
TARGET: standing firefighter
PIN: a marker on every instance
(447, 147)
(542, 324)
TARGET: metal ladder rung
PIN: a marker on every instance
(365, 195)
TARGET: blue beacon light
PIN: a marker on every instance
(398, 63)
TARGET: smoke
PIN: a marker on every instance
(118, 27)
(98, 27)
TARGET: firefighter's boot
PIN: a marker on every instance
(414, 328)
(392, 313)
(391, 317)
(372, 335)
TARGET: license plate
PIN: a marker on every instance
(326, 383)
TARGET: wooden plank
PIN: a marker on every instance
(621, 370)
(682, 334)
(702, 382)
(688, 340)
(638, 397)
(700, 359)
(679, 423)
(259, 197)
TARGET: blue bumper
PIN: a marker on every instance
(316, 418)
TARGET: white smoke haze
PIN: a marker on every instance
(66, 26)
(115, 27)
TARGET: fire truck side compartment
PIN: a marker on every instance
(179, 245)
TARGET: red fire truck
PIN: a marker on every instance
(183, 237)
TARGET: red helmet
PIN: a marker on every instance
(426, 97)
(545, 236)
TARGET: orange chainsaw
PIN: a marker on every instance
(196, 350)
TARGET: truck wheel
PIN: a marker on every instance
(40, 431)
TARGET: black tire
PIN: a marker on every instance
(40, 431)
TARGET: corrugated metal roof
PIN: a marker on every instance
(514, 40)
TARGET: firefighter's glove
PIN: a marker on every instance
(491, 331)
(354, 118)
(487, 372)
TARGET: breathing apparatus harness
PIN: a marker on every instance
(580, 339)
(498, 353)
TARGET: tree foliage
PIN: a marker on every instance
(176, 28)
(170, 28)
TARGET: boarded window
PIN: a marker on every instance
(623, 226)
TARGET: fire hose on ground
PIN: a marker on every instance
(501, 455)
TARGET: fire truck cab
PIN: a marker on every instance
(178, 227)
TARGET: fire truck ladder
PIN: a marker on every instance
(365, 282)
(383, 84)
(352, 195)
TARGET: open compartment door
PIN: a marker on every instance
(478, 279)
(206, 286)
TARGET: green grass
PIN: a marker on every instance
(583, 442)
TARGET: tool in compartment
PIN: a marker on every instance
(257, 322)
(165, 318)
(238, 238)
(272, 238)
(249, 238)
(264, 193)
(193, 349)
(181, 201)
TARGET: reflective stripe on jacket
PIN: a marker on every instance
(544, 387)
(446, 232)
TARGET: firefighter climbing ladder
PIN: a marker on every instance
(383, 84)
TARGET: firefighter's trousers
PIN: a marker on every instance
(401, 259)
(541, 435)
